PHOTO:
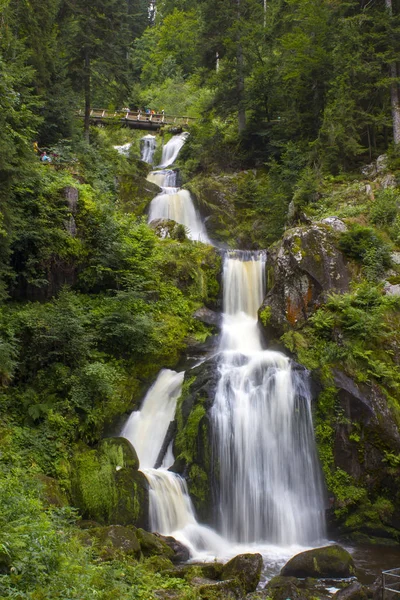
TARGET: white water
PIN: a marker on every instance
(270, 484)
(171, 510)
(148, 146)
(124, 150)
(174, 203)
(171, 150)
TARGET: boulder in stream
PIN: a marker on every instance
(246, 568)
(330, 561)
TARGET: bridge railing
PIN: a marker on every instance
(391, 584)
(143, 117)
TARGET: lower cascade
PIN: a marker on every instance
(269, 492)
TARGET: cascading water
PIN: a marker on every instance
(171, 510)
(171, 150)
(270, 487)
(148, 147)
(174, 203)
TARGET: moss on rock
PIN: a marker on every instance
(329, 561)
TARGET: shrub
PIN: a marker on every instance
(385, 208)
(366, 246)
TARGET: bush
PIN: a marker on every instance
(366, 246)
(385, 208)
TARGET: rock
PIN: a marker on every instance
(369, 191)
(160, 564)
(179, 552)
(115, 541)
(329, 561)
(222, 590)
(246, 568)
(336, 223)
(395, 256)
(369, 170)
(192, 444)
(388, 180)
(51, 493)
(281, 588)
(354, 591)
(209, 317)
(211, 571)
(302, 270)
(107, 486)
(381, 163)
(153, 545)
(392, 290)
(167, 228)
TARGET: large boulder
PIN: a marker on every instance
(107, 486)
(303, 268)
(246, 568)
(154, 545)
(193, 441)
(330, 561)
(281, 588)
(113, 541)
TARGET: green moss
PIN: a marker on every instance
(265, 315)
(198, 485)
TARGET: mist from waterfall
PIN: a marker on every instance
(270, 486)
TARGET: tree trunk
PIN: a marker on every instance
(394, 90)
(87, 94)
(240, 77)
(265, 13)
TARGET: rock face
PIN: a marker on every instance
(302, 269)
(246, 568)
(107, 486)
(193, 441)
(331, 561)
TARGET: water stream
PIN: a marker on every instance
(148, 147)
(269, 490)
(174, 203)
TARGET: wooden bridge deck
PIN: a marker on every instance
(135, 119)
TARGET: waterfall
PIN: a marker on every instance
(270, 488)
(148, 146)
(171, 149)
(124, 150)
(171, 510)
(174, 203)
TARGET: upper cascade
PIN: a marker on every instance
(171, 150)
(174, 203)
(148, 147)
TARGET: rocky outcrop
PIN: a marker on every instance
(302, 269)
(245, 568)
(107, 486)
(330, 561)
(193, 441)
(354, 591)
(113, 542)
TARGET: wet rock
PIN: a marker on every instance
(281, 588)
(107, 486)
(246, 568)
(153, 545)
(179, 552)
(192, 445)
(354, 591)
(336, 223)
(222, 590)
(329, 561)
(209, 317)
(115, 541)
(302, 270)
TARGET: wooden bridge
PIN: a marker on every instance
(135, 119)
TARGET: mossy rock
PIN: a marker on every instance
(354, 591)
(51, 493)
(159, 564)
(153, 545)
(188, 572)
(246, 568)
(221, 590)
(106, 485)
(330, 561)
(115, 541)
(281, 588)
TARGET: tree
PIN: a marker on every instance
(394, 88)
